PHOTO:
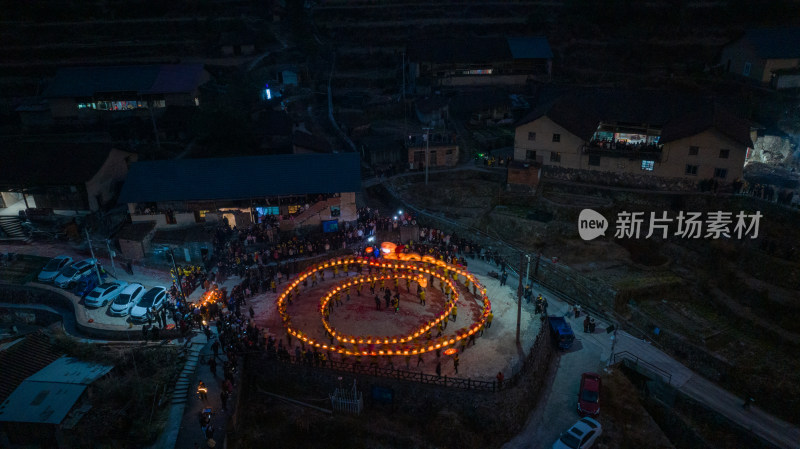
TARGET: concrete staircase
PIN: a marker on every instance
(11, 229)
(185, 381)
(312, 211)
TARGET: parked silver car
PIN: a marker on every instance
(70, 275)
(581, 435)
(104, 293)
(128, 298)
(151, 302)
(53, 268)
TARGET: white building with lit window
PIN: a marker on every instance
(650, 134)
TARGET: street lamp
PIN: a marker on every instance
(427, 151)
(528, 270)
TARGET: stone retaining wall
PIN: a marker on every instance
(632, 180)
(27, 294)
(501, 414)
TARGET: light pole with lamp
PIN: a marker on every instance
(528, 270)
(427, 151)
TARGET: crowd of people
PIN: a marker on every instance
(624, 145)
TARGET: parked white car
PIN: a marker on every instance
(128, 298)
(71, 274)
(53, 268)
(581, 435)
(152, 301)
(104, 293)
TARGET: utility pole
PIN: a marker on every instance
(96, 262)
(427, 137)
(519, 295)
(177, 275)
(111, 255)
(150, 107)
(528, 271)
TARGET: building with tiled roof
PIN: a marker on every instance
(85, 93)
(478, 61)
(648, 133)
(762, 54)
(22, 357)
(243, 190)
(70, 176)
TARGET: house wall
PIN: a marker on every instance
(109, 178)
(788, 82)
(132, 249)
(72, 198)
(569, 146)
(349, 212)
(483, 80)
(739, 53)
(438, 156)
(160, 219)
(709, 143)
(525, 176)
(772, 65)
(9, 198)
(184, 99)
(63, 107)
(672, 164)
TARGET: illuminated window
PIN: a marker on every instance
(294, 209)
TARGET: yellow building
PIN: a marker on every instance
(647, 134)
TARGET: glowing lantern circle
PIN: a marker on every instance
(413, 267)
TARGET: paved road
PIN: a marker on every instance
(557, 409)
(591, 352)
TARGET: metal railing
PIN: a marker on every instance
(373, 369)
(636, 362)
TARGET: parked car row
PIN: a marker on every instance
(584, 433)
(122, 298)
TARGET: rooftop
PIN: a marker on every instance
(137, 79)
(676, 115)
(23, 359)
(774, 43)
(242, 177)
(29, 163)
(479, 49)
(48, 395)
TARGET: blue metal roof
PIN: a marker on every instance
(535, 47)
(241, 177)
(40, 402)
(71, 371)
(139, 79)
(48, 395)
